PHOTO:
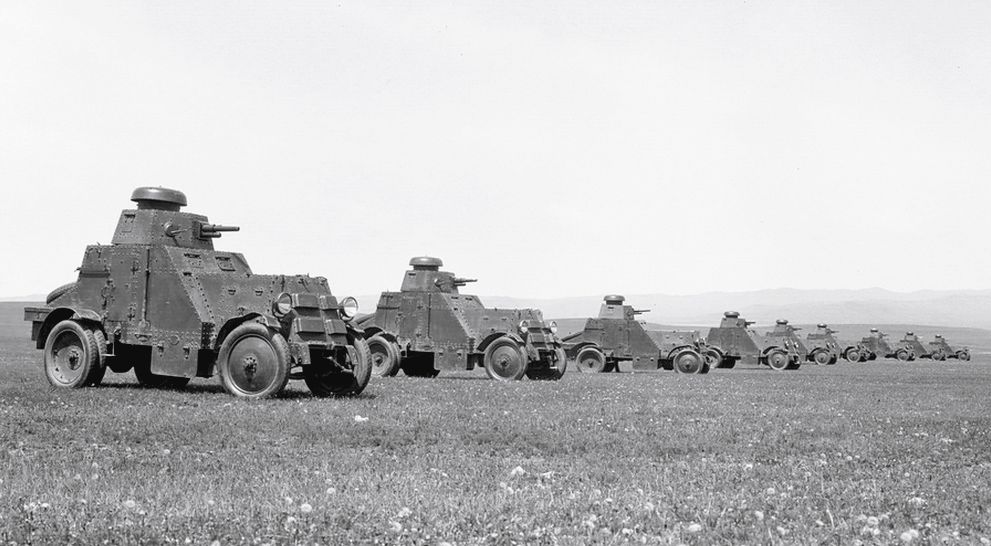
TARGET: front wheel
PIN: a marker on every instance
(852, 355)
(504, 360)
(778, 360)
(254, 362)
(385, 356)
(903, 355)
(71, 355)
(963, 355)
(688, 361)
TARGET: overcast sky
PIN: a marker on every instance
(549, 149)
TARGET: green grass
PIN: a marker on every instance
(735, 457)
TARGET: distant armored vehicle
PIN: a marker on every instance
(876, 346)
(785, 335)
(910, 347)
(822, 342)
(737, 343)
(823, 348)
(941, 350)
(161, 301)
(616, 336)
(428, 326)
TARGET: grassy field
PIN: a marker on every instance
(878, 453)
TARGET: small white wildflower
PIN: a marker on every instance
(395, 527)
(305, 508)
(288, 500)
(290, 520)
(215, 543)
(627, 531)
(873, 521)
(695, 528)
(771, 491)
(166, 452)
(403, 512)
(916, 501)
(518, 471)
(331, 490)
(360, 419)
(649, 506)
(45, 506)
(909, 536)
(130, 504)
(820, 523)
(759, 515)
(604, 531)
(782, 531)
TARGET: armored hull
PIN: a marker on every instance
(940, 349)
(428, 326)
(617, 338)
(738, 344)
(162, 301)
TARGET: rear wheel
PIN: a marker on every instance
(504, 360)
(778, 360)
(938, 356)
(713, 359)
(385, 356)
(852, 355)
(100, 368)
(71, 355)
(963, 355)
(688, 361)
(903, 355)
(323, 380)
(821, 357)
(253, 362)
(591, 360)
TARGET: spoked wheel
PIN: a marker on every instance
(504, 360)
(688, 361)
(852, 355)
(325, 380)
(548, 373)
(385, 356)
(253, 362)
(71, 355)
(778, 360)
(591, 360)
(903, 355)
(821, 358)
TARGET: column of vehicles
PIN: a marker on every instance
(161, 301)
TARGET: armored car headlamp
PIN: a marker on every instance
(349, 308)
(282, 305)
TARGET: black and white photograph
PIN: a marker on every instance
(495, 273)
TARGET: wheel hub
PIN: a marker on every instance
(250, 365)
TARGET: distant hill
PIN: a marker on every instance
(938, 308)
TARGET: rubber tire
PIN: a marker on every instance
(694, 366)
(100, 369)
(963, 355)
(491, 367)
(780, 362)
(550, 374)
(54, 294)
(389, 351)
(852, 355)
(85, 350)
(821, 353)
(280, 363)
(713, 358)
(596, 356)
(903, 355)
(336, 383)
(938, 356)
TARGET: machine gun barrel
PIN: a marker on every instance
(212, 231)
(640, 311)
(461, 281)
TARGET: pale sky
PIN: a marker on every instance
(549, 149)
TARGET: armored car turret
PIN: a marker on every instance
(162, 301)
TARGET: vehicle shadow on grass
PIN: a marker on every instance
(204, 388)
